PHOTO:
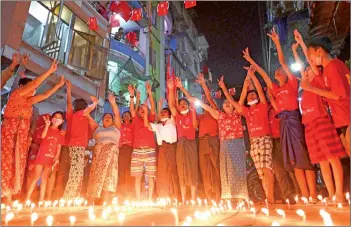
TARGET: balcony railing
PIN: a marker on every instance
(125, 48)
(102, 10)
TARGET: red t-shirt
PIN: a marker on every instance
(312, 105)
(143, 136)
(257, 119)
(184, 125)
(274, 122)
(207, 125)
(77, 133)
(230, 125)
(335, 80)
(48, 146)
(127, 132)
(286, 95)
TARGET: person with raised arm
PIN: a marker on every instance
(49, 153)
(289, 188)
(209, 147)
(103, 175)
(166, 135)
(323, 143)
(186, 154)
(144, 145)
(336, 88)
(292, 137)
(126, 183)
(15, 130)
(232, 150)
(77, 137)
(261, 144)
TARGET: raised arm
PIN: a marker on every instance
(221, 84)
(176, 100)
(7, 73)
(214, 113)
(46, 128)
(299, 40)
(137, 103)
(91, 107)
(115, 110)
(275, 38)
(92, 123)
(246, 87)
(159, 109)
(181, 87)
(38, 81)
(201, 80)
(272, 99)
(305, 84)
(193, 115)
(151, 98)
(131, 102)
(261, 71)
(298, 59)
(48, 93)
(146, 118)
(258, 85)
(171, 104)
(69, 96)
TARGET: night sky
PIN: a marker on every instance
(229, 27)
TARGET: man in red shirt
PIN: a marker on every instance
(336, 86)
(77, 136)
(144, 153)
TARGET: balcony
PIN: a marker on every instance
(122, 50)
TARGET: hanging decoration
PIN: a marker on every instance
(122, 8)
(131, 38)
(136, 14)
(114, 21)
(189, 4)
(162, 9)
(92, 24)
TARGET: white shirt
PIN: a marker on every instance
(167, 132)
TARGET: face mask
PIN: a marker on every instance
(164, 119)
(252, 102)
(57, 121)
(184, 111)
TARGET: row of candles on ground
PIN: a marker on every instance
(324, 201)
(163, 202)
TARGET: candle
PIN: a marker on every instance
(199, 201)
(325, 203)
(104, 215)
(40, 204)
(275, 223)
(326, 218)
(92, 218)
(72, 220)
(19, 208)
(296, 199)
(32, 206)
(8, 218)
(319, 197)
(49, 220)
(27, 204)
(15, 204)
(288, 202)
(302, 214)
(265, 211)
(189, 220)
(33, 218)
(253, 210)
(175, 214)
(3, 206)
(55, 203)
(205, 202)
(121, 218)
(339, 205)
(281, 212)
(347, 195)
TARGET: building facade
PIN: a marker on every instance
(50, 30)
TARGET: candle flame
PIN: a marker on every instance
(121, 217)
(347, 196)
(104, 215)
(281, 212)
(49, 220)
(265, 211)
(72, 219)
(3, 206)
(340, 205)
(275, 223)
(319, 197)
(34, 217)
(326, 218)
(9, 217)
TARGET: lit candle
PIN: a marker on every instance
(121, 218)
(326, 218)
(339, 205)
(275, 223)
(281, 212)
(175, 213)
(334, 199)
(302, 214)
(69, 203)
(348, 197)
(205, 202)
(32, 206)
(3, 206)
(19, 208)
(288, 202)
(104, 215)
(33, 218)
(325, 203)
(253, 210)
(296, 199)
(189, 220)
(92, 218)
(55, 203)
(27, 204)
(49, 220)
(15, 204)
(8, 218)
(85, 203)
(72, 220)
(265, 211)
(199, 201)
(320, 198)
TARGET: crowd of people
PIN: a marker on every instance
(287, 137)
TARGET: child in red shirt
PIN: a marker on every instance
(49, 152)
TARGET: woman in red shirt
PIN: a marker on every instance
(323, 142)
(15, 130)
(49, 153)
(232, 150)
(186, 154)
(291, 129)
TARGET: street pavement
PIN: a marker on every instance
(187, 215)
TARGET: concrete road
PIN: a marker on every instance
(189, 215)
